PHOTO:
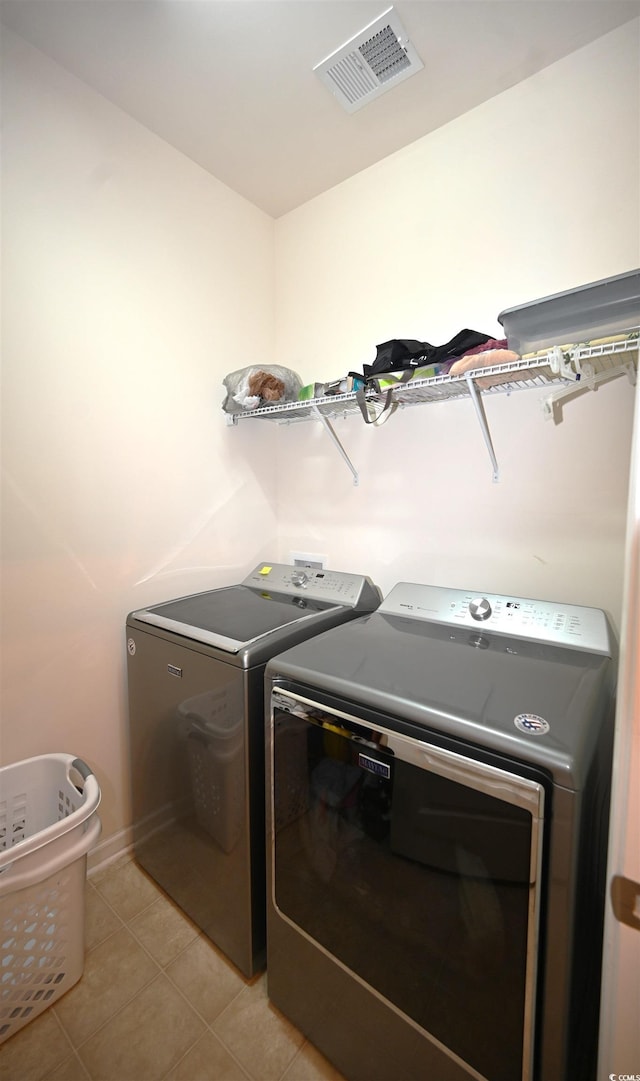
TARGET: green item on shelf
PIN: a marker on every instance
(391, 379)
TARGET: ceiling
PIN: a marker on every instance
(230, 83)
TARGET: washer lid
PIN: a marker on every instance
(232, 617)
(272, 597)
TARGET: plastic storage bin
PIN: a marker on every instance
(48, 823)
(591, 311)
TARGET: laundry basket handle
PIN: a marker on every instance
(82, 768)
(50, 859)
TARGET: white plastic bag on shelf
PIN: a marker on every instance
(267, 384)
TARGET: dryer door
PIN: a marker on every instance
(416, 868)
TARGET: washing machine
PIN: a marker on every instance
(196, 732)
(438, 795)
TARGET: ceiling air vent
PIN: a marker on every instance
(370, 63)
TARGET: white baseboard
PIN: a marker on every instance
(121, 843)
(109, 850)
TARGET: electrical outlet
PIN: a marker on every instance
(308, 559)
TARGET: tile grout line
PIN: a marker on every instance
(209, 1025)
(125, 1006)
(123, 927)
(162, 971)
(198, 935)
(66, 1036)
(145, 908)
(79, 1046)
(199, 1040)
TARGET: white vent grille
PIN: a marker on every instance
(384, 54)
(370, 63)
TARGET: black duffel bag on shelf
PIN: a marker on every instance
(405, 355)
(401, 353)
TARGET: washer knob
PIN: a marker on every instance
(299, 578)
(480, 609)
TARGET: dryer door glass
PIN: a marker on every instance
(418, 869)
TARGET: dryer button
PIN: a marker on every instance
(480, 608)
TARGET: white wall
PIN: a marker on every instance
(533, 192)
(132, 282)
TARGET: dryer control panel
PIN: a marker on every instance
(334, 587)
(541, 621)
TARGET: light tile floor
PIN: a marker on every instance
(157, 1002)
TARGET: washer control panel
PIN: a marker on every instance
(334, 587)
(541, 621)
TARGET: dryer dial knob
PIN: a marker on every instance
(299, 578)
(480, 609)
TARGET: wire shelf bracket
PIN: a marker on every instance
(328, 427)
(589, 380)
(476, 398)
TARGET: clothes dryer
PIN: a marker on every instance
(438, 779)
(196, 706)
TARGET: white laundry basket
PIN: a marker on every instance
(48, 823)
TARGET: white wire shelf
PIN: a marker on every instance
(564, 371)
(553, 367)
